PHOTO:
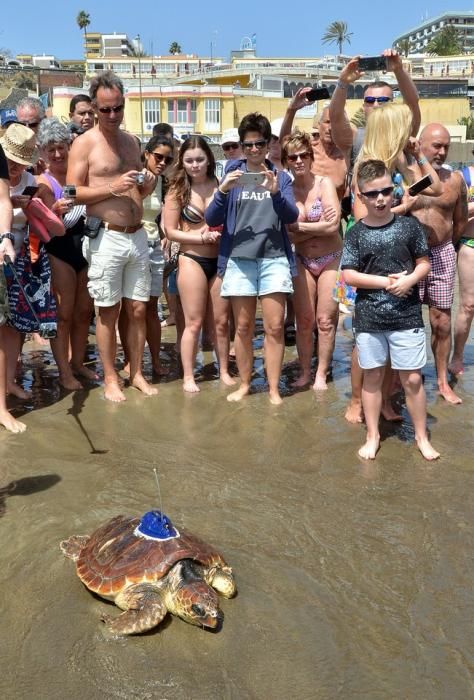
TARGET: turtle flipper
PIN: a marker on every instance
(222, 579)
(73, 545)
(144, 609)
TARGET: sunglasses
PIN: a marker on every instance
(108, 110)
(228, 146)
(293, 157)
(30, 125)
(261, 143)
(373, 194)
(381, 100)
(159, 158)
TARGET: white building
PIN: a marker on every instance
(420, 35)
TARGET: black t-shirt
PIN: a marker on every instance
(3, 166)
(385, 250)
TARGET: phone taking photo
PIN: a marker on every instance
(372, 63)
(252, 179)
(30, 191)
(420, 185)
(317, 94)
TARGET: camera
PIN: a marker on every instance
(140, 178)
(69, 191)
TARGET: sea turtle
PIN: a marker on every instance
(147, 576)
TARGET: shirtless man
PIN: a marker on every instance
(444, 218)
(328, 160)
(104, 164)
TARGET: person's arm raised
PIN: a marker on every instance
(298, 101)
(406, 85)
(341, 129)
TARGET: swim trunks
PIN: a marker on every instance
(437, 289)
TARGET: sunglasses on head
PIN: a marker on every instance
(228, 146)
(373, 194)
(30, 125)
(369, 100)
(261, 143)
(108, 110)
(293, 157)
(159, 158)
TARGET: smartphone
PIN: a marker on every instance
(420, 185)
(370, 63)
(92, 226)
(30, 191)
(317, 94)
(69, 191)
(251, 179)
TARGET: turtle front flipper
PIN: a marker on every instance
(144, 609)
(222, 579)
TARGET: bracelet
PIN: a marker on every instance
(341, 85)
(422, 160)
(222, 191)
(114, 193)
(8, 235)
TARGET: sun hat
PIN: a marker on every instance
(7, 117)
(230, 136)
(19, 144)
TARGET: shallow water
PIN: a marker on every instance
(354, 580)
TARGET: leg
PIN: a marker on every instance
(6, 418)
(440, 320)
(244, 309)
(416, 404)
(327, 314)
(144, 610)
(273, 310)
(12, 340)
(465, 313)
(193, 292)
(220, 309)
(64, 283)
(354, 413)
(107, 345)
(304, 302)
(387, 409)
(136, 331)
(372, 404)
(153, 335)
(83, 308)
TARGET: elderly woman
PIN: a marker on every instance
(68, 266)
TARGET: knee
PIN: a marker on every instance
(244, 329)
(468, 308)
(412, 382)
(441, 325)
(137, 311)
(194, 326)
(325, 323)
(275, 329)
(305, 323)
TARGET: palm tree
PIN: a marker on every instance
(468, 122)
(337, 33)
(403, 47)
(83, 20)
(174, 48)
(448, 42)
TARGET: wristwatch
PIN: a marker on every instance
(8, 235)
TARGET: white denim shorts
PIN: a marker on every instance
(157, 265)
(405, 349)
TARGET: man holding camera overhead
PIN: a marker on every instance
(105, 166)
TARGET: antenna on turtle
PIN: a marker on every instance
(159, 492)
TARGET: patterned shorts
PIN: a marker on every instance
(438, 288)
(4, 309)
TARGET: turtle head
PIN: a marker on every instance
(195, 601)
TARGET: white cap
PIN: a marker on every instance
(276, 125)
(230, 136)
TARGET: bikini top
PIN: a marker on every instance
(316, 210)
(192, 214)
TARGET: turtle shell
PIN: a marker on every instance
(114, 557)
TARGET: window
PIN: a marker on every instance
(182, 111)
(170, 111)
(212, 115)
(151, 111)
(192, 111)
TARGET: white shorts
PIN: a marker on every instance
(157, 265)
(405, 349)
(119, 266)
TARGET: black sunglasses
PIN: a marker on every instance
(373, 194)
(108, 110)
(261, 143)
(293, 157)
(30, 125)
(159, 158)
(381, 100)
(228, 146)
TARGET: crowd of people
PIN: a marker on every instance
(297, 221)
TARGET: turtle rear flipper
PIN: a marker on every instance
(72, 546)
(144, 610)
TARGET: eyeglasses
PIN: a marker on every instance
(261, 143)
(293, 157)
(159, 158)
(369, 100)
(373, 194)
(108, 110)
(30, 125)
(228, 146)
(315, 134)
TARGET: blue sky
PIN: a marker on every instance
(283, 28)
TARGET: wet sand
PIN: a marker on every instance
(354, 579)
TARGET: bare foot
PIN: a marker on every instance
(370, 449)
(190, 385)
(113, 392)
(301, 382)
(320, 383)
(227, 379)
(36, 338)
(354, 413)
(10, 423)
(426, 449)
(160, 371)
(238, 395)
(139, 382)
(232, 352)
(85, 372)
(275, 398)
(126, 369)
(13, 389)
(448, 394)
(456, 367)
(70, 383)
(388, 412)
(168, 322)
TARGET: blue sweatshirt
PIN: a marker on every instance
(223, 211)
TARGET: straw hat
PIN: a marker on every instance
(19, 144)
